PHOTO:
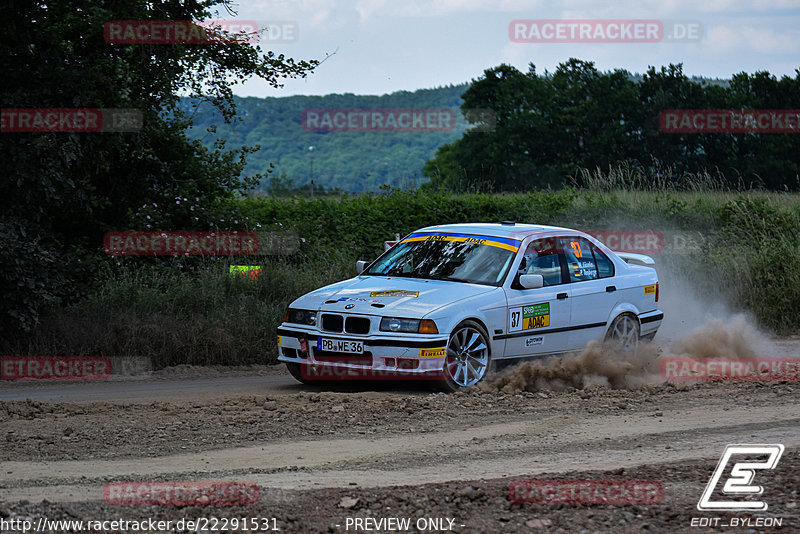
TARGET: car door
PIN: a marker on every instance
(537, 321)
(594, 295)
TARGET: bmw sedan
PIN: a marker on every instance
(448, 301)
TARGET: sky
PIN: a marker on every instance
(383, 46)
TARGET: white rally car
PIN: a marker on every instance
(446, 301)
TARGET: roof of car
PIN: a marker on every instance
(513, 230)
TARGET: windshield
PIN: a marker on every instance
(456, 257)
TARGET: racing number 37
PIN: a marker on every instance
(529, 317)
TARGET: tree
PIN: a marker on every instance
(546, 127)
(62, 191)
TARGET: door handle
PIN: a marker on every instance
(611, 289)
(561, 296)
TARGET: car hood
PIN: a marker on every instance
(389, 296)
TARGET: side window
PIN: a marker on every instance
(605, 268)
(541, 257)
(580, 259)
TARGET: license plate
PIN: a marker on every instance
(340, 345)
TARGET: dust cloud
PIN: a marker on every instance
(606, 365)
(694, 326)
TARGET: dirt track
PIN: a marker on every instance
(320, 456)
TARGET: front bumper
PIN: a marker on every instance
(405, 355)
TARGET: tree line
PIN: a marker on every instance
(550, 126)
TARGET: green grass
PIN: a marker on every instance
(177, 311)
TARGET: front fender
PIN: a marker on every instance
(488, 309)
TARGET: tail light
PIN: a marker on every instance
(656, 291)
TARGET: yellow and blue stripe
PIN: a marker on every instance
(506, 243)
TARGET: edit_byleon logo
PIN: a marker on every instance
(740, 482)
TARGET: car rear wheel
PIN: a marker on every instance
(467, 358)
(625, 331)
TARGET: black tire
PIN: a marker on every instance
(468, 359)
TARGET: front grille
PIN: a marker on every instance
(352, 325)
(357, 325)
(332, 323)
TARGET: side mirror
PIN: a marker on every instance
(361, 265)
(531, 281)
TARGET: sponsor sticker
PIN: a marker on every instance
(395, 293)
(649, 290)
(499, 242)
(433, 353)
(536, 316)
(529, 317)
(535, 340)
(354, 299)
(279, 341)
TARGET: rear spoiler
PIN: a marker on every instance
(640, 259)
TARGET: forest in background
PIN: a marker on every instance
(547, 128)
(349, 161)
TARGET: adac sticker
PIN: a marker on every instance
(279, 341)
(433, 353)
(649, 290)
(395, 293)
(529, 317)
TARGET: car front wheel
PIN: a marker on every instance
(467, 359)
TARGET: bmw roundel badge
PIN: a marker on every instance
(348, 306)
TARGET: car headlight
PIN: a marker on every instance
(302, 317)
(399, 324)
